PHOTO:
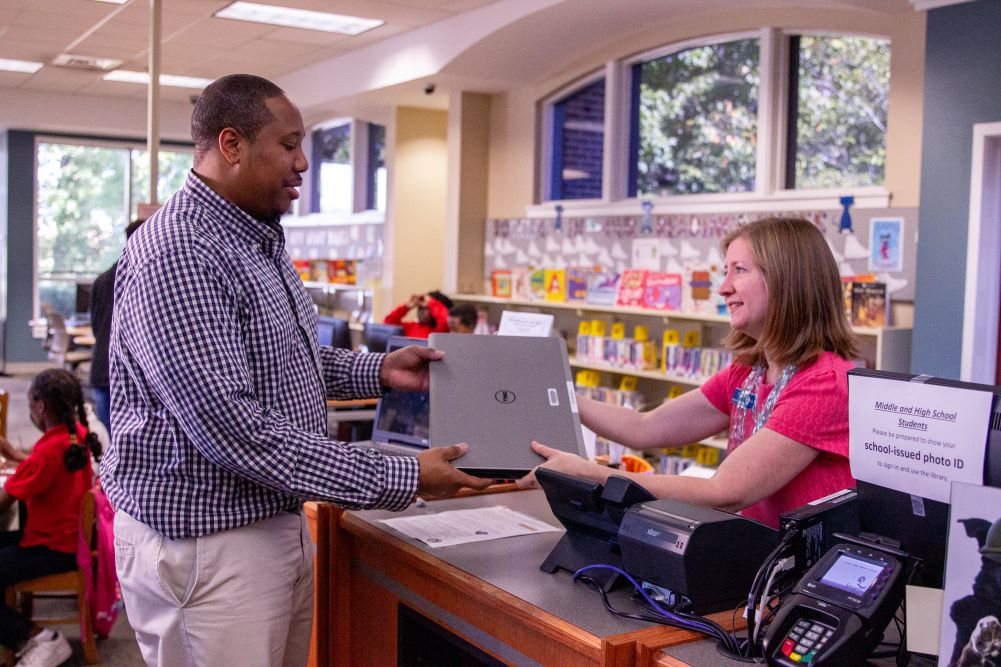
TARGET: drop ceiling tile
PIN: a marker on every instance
(220, 33)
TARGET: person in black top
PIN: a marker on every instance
(102, 299)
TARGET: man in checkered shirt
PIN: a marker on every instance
(218, 391)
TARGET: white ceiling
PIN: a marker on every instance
(480, 45)
(193, 42)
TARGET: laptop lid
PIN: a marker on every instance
(498, 393)
(402, 417)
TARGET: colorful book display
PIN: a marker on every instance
(631, 287)
(537, 285)
(577, 283)
(870, 306)
(662, 291)
(556, 285)
(342, 271)
(303, 269)
(602, 288)
(500, 283)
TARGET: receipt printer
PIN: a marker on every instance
(708, 556)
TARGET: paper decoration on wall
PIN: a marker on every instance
(885, 237)
(499, 263)
(845, 225)
(646, 254)
(714, 257)
(646, 226)
(688, 252)
(892, 284)
(854, 248)
(668, 248)
(685, 242)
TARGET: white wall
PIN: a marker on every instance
(90, 115)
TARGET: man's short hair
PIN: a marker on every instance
(236, 101)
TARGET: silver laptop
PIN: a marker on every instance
(498, 393)
(401, 425)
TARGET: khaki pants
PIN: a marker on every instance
(238, 597)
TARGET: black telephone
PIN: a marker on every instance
(840, 606)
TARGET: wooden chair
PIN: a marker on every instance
(69, 583)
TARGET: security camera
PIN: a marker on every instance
(428, 89)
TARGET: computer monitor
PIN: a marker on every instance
(333, 332)
(377, 335)
(891, 513)
(82, 299)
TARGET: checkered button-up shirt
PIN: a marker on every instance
(218, 383)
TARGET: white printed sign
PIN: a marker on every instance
(514, 323)
(916, 438)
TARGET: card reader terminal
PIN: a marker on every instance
(840, 608)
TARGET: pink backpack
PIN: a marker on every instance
(101, 584)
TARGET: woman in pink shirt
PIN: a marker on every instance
(784, 399)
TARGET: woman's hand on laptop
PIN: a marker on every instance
(557, 460)
(439, 478)
(407, 368)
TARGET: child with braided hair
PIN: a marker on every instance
(51, 482)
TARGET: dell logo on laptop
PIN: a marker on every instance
(504, 396)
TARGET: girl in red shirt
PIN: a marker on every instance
(51, 482)
(432, 314)
(784, 399)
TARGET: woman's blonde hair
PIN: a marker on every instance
(806, 314)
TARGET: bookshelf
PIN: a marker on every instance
(887, 348)
(884, 348)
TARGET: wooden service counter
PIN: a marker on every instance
(383, 598)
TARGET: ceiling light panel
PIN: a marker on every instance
(86, 62)
(26, 66)
(131, 76)
(297, 18)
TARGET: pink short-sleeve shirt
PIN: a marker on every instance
(812, 410)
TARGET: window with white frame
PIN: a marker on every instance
(87, 193)
(838, 89)
(348, 165)
(694, 117)
(578, 139)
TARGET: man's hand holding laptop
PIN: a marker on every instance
(407, 369)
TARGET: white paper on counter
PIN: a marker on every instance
(914, 437)
(446, 529)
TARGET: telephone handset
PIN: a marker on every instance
(839, 608)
